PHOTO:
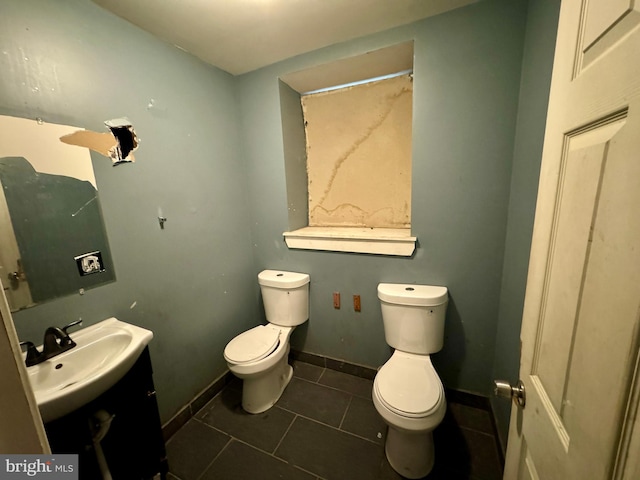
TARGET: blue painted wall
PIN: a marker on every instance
(466, 83)
(192, 283)
(211, 157)
(537, 64)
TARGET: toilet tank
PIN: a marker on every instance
(413, 316)
(285, 296)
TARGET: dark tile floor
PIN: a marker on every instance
(323, 427)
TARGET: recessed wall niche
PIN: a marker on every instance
(320, 219)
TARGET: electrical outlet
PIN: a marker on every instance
(356, 303)
(336, 300)
(89, 263)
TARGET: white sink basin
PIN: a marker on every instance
(104, 353)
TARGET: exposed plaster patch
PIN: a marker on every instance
(358, 143)
(98, 142)
(370, 129)
(118, 145)
(360, 217)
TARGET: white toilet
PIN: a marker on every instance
(407, 392)
(259, 355)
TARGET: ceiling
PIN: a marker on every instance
(240, 36)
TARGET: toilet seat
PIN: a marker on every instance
(408, 385)
(252, 345)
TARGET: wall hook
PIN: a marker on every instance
(161, 221)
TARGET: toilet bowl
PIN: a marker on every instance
(407, 392)
(409, 396)
(259, 355)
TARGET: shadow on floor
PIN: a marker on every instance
(323, 427)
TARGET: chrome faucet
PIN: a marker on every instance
(56, 341)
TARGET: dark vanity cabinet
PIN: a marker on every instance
(133, 447)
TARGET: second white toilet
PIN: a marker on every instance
(259, 355)
(407, 392)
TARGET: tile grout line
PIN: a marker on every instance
(476, 431)
(215, 458)
(322, 374)
(338, 429)
(284, 434)
(298, 467)
(330, 426)
(346, 410)
(324, 369)
(290, 426)
(244, 442)
(333, 388)
(270, 454)
(275, 457)
(295, 415)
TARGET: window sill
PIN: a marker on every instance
(378, 241)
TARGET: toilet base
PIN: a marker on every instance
(410, 454)
(260, 392)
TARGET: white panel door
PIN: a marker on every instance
(580, 335)
(12, 278)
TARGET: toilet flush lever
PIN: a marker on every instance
(503, 389)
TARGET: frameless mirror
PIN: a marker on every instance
(52, 237)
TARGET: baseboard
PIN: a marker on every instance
(468, 398)
(481, 402)
(333, 364)
(200, 400)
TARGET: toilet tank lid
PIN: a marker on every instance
(282, 279)
(418, 295)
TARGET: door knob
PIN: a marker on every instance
(503, 389)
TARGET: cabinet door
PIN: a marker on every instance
(134, 447)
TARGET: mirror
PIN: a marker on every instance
(52, 237)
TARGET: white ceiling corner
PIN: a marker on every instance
(240, 36)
